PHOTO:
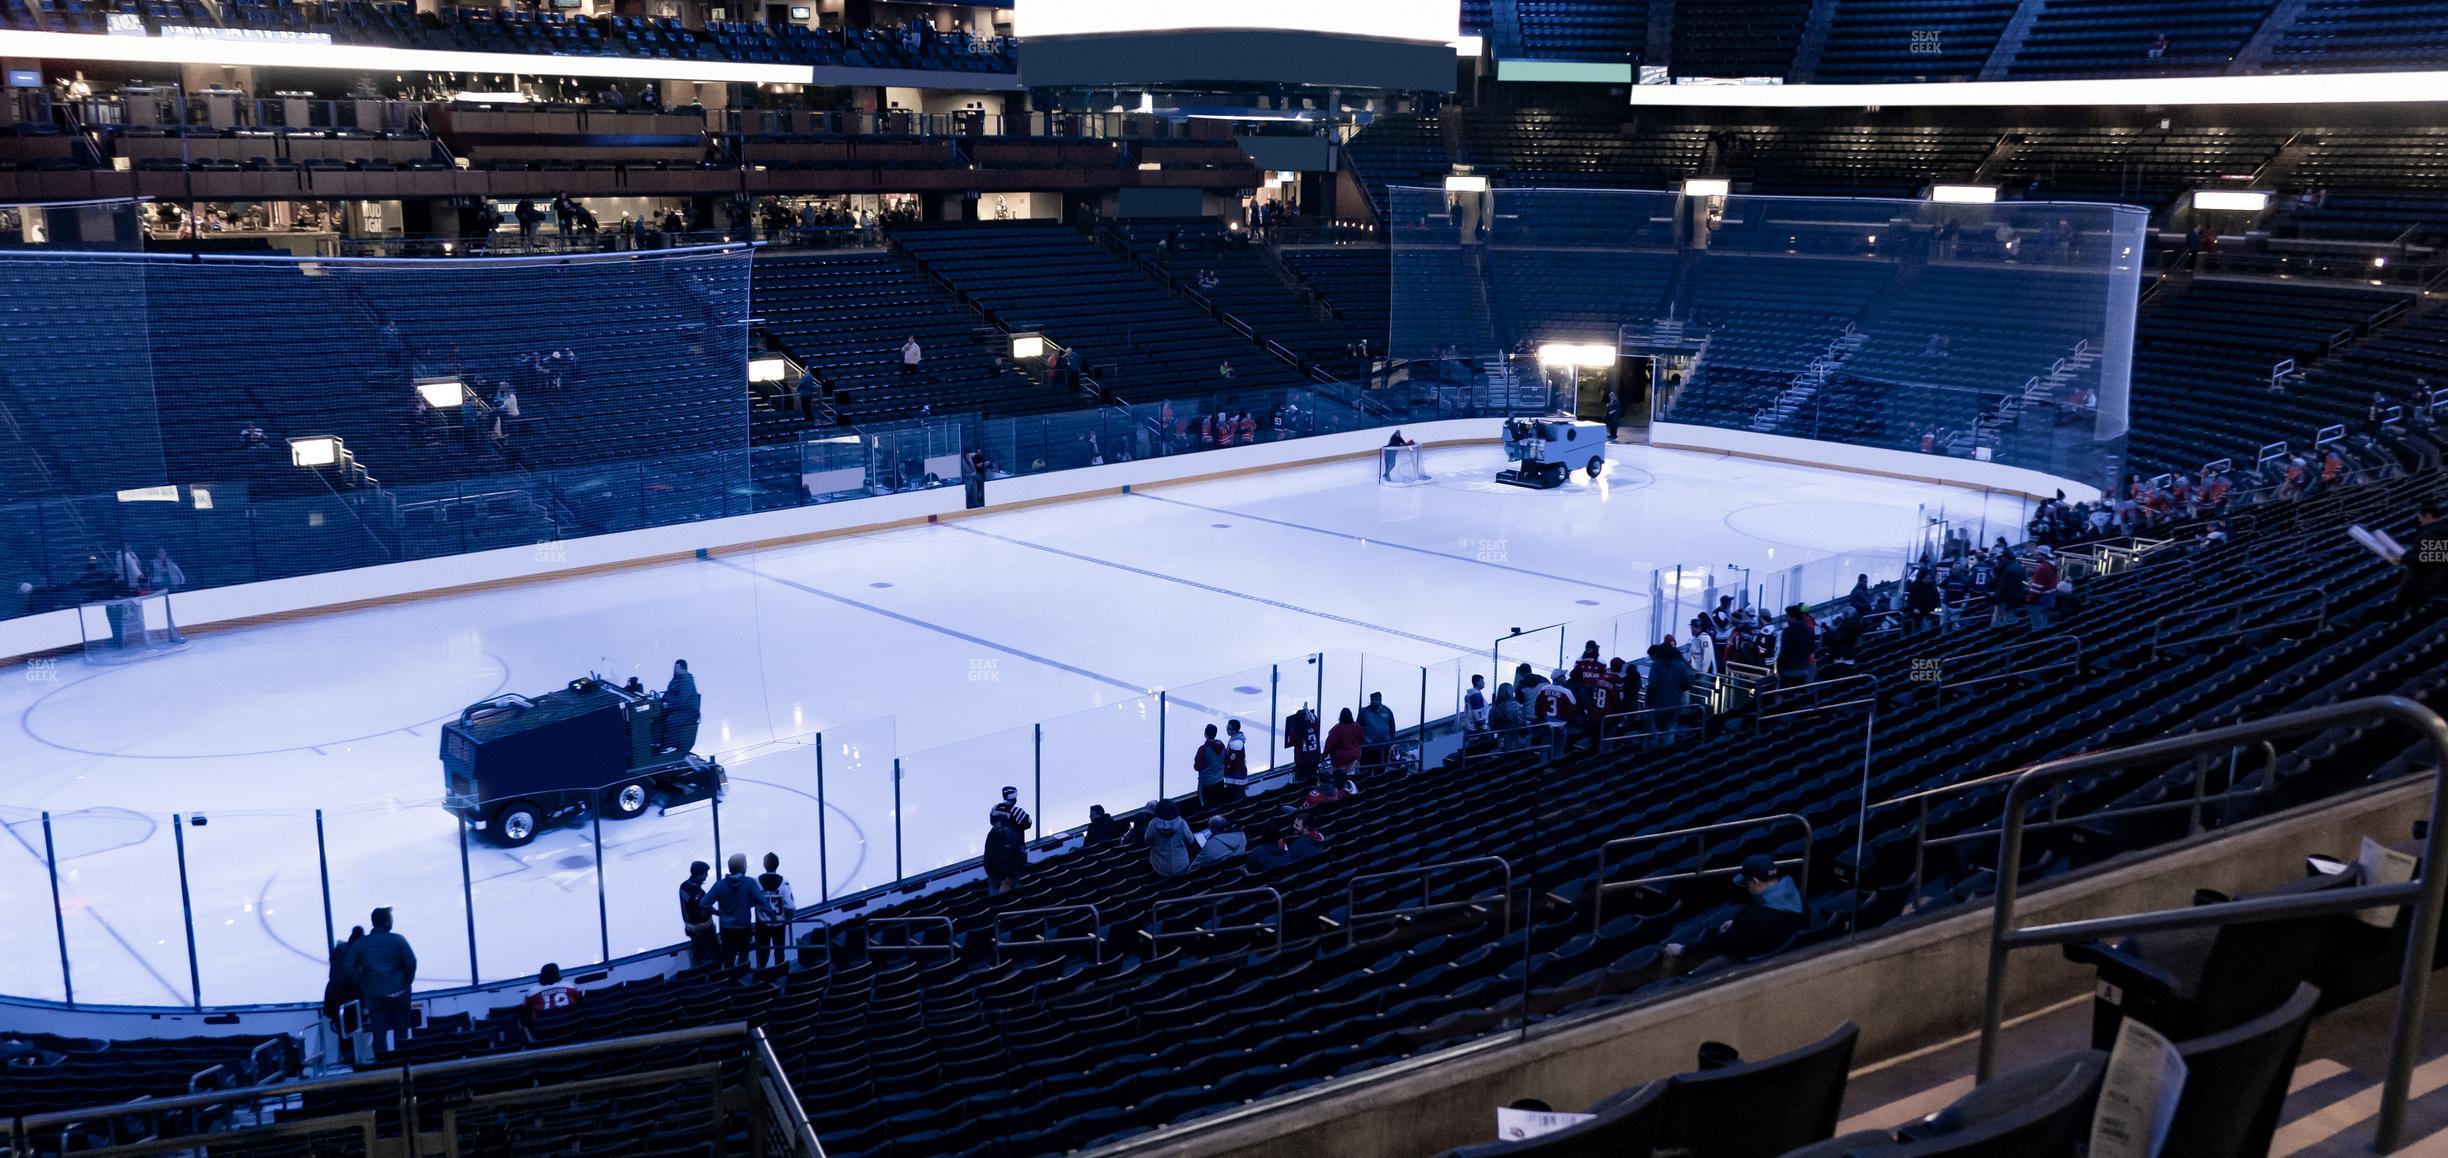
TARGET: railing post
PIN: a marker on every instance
(603, 911)
(323, 871)
(1161, 699)
(59, 919)
(195, 978)
(467, 895)
(897, 818)
(824, 855)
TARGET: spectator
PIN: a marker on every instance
(1300, 734)
(2425, 563)
(1222, 843)
(384, 968)
(773, 924)
(1170, 844)
(1769, 919)
(1236, 758)
(1300, 841)
(1377, 730)
(528, 217)
(1103, 828)
(696, 921)
(1797, 648)
(1921, 600)
(1344, 744)
(2008, 587)
(340, 985)
(549, 993)
(735, 900)
(1011, 811)
(1508, 717)
(1858, 600)
(911, 355)
(1208, 764)
(1006, 854)
(2042, 585)
(676, 727)
(1670, 684)
(1475, 705)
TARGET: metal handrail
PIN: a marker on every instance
(1766, 695)
(1922, 842)
(1861, 820)
(780, 1096)
(1094, 938)
(1599, 893)
(1616, 728)
(911, 944)
(2425, 893)
(1942, 663)
(1426, 873)
(1157, 937)
(2238, 608)
(389, 1075)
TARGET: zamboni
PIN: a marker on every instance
(512, 765)
(1546, 450)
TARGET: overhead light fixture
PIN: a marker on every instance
(159, 494)
(1964, 194)
(1027, 346)
(314, 450)
(1466, 183)
(1472, 46)
(442, 393)
(1577, 355)
(768, 368)
(1707, 187)
(2236, 200)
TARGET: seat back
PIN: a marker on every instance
(1626, 1123)
(2236, 1082)
(1764, 1108)
(2255, 967)
(2040, 1111)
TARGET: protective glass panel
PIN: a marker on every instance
(532, 879)
(770, 804)
(409, 422)
(260, 930)
(645, 857)
(119, 886)
(1247, 698)
(404, 856)
(1109, 756)
(25, 903)
(862, 837)
(947, 792)
(2000, 333)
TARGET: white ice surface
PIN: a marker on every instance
(976, 651)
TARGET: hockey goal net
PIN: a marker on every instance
(124, 630)
(1399, 466)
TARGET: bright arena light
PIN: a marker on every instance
(1465, 183)
(2240, 200)
(1707, 187)
(1964, 194)
(1385, 19)
(442, 393)
(770, 368)
(315, 450)
(1027, 346)
(1577, 355)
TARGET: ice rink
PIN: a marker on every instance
(1015, 648)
